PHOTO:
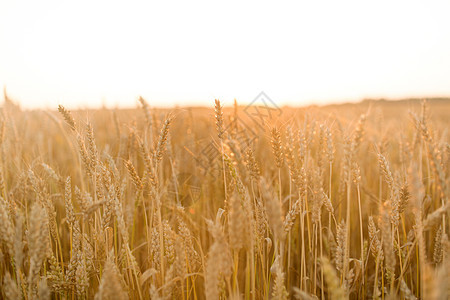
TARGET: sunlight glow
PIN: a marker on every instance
(85, 53)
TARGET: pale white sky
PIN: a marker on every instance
(83, 53)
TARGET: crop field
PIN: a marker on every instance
(229, 201)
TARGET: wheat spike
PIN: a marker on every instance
(219, 118)
(67, 117)
(277, 146)
(110, 285)
(6, 228)
(335, 290)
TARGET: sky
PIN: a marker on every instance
(92, 53)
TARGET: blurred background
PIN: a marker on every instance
(107, 53)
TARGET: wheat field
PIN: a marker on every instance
(334, 202)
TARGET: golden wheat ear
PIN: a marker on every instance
(67, 115)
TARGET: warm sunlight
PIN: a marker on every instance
(88, 53)
(232, 150)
